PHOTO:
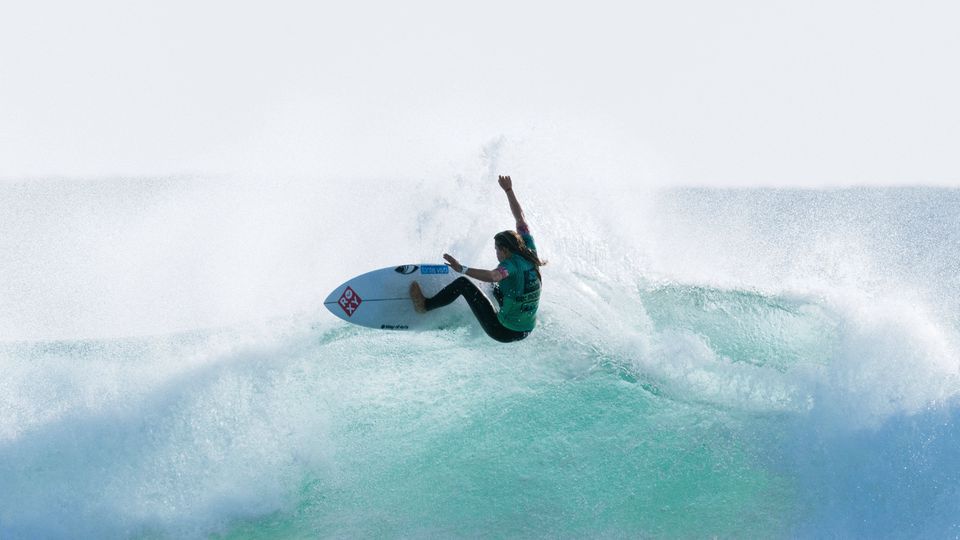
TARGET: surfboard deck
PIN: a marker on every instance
(381, 298)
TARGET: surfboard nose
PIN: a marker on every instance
(381, 298)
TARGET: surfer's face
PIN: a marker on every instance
(502, 253)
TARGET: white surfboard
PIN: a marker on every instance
(381, 298)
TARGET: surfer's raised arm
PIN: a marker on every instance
(507, 184)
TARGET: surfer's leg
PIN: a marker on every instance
(487, 317)
(480, 306)
(458, 287)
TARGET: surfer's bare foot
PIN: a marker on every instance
(419, 302)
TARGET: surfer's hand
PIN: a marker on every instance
(506, 183)
(452, 262)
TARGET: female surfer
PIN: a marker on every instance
(517, 278)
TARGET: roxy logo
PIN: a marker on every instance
(350, 301)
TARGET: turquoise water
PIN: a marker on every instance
(729, 363)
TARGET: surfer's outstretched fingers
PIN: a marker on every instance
(455, 264)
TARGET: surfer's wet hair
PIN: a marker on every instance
(513, 242)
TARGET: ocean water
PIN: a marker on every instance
(708, 363)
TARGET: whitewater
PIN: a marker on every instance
(707, 362)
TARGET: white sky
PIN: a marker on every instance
(691, 92)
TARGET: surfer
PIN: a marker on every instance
(517, 280)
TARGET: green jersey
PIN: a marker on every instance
(520, 287)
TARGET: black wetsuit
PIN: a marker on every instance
(481, 307)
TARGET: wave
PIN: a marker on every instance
(776, 363)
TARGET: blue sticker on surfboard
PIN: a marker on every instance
(434, 269)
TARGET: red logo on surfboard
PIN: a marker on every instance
(350, 301)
